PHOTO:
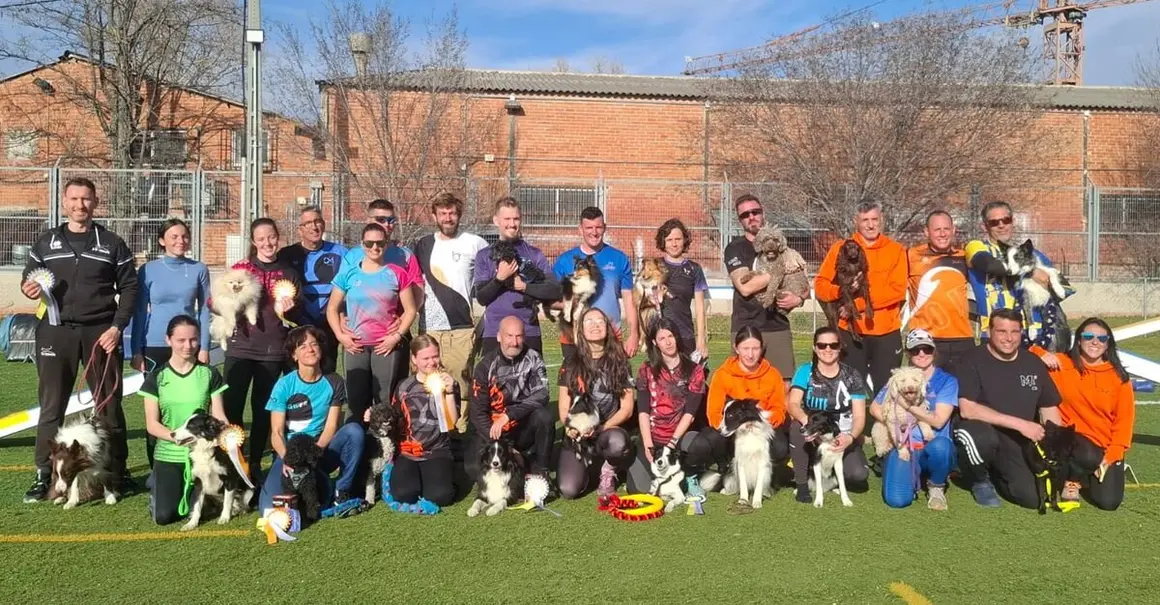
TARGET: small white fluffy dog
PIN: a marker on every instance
(905, 391)
(751, 474)
(667, 476)
(237, 291)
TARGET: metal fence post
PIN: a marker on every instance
(53, 196)
(197, 206)
(1093, 194)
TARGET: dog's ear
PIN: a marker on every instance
(75, 449)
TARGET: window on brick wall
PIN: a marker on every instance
(160, 148)
(20, 145)
(553, 206)
(1130, 212)
(239, 140)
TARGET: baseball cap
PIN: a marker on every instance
(917, 338)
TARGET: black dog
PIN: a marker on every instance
(851, 266)
(305, 480)
(505, 252)
(1050, 461)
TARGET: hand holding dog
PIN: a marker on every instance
(497, 426)
(286, 469)
(787, 301)
(571, 433)
(518, 284)
(505, 270)
(30, 289)
(842, 442)
(1032, 430)
(1041, 277)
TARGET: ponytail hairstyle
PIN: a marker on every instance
(181, 320)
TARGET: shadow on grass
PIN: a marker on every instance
(1139, 439)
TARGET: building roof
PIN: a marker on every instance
(699, 89)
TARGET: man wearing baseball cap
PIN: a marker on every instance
(901, 480)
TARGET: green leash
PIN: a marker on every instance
(187, 476)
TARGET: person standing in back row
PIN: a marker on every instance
(82, 316)
(879, 351)
(447, 258)
(318, 262)
(938, 291)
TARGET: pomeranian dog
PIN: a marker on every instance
(1050, 462)
(651, 291)
(579, 290)
(305, 480)
(786, 268)
(1022, 262)
(851, 275)
(236, 292)
(379, 450)
(81, 464)
(583, 417)
(667, 476)
(905, 391)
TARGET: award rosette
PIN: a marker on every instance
(230, 440)
(284, 290)
(46, 280)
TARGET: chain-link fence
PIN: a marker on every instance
(24, 211)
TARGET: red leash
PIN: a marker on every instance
(101, 392)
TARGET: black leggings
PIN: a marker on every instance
(433, 479)
(535, 433)
(854, 467)
(711, 447)
(572, 476)
(239, 375)
(875, 357)
(1086, 458)
(155, 357)
(168, 488)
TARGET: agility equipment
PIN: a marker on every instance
(283, 290)
(633, 507)
(535, 494)
(231, 440)
(422, 507)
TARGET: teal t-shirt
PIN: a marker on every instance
(178, 397)
(306, 404)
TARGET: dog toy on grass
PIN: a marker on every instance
(422, 507)
(283, 290)
(230, 440)
(535, 494)
(633, 507)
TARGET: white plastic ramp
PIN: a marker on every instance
(1140, 367)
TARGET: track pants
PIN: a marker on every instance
(875, 357)
(613, 446)
(371, 377)
(987, 452)
(342, 453)
(60, 350)
(239, 375)
(934, 460)
(535, 433)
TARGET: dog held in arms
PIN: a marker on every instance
(786, 268)
(504, 251)
(380, 445)
(81, 464)
(501, 480)
(667, 476)
(1050, 462)
(214, 475)
(850, 275)
(1022, 263)
(650, 293)
(820, 431)
(905, 390)
(236, 292)
(305, 480)
(583, 418)
(751, 473)
(579, 289)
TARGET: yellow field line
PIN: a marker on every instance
(908, 594)
(1142, 485)
(18, 468)
(121, 537)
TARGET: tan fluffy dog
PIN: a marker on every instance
(905, 390)
(235, 292)
(786, 268)
(650, 292)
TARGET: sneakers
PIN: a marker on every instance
(936, 498)
(693, 487)
(985, 495)
(803, 493)
(1070, 492)
(607, 485)
(39, 490)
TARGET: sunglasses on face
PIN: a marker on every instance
(833, 346)
(378, 243)
(1103, 338)
(385, 220)
(922, 350)
(995, 222)
(749, 213)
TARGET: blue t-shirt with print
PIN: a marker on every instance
(834, 395)
(615, 268)
(372, 301)
(306, 404)
(318, 268)
(941, 388)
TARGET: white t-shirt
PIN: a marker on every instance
(448, 265)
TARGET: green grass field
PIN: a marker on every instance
(785, 552)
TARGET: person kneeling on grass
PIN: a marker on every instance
(1002, 388)
(428, 404)
(173, 391)
(310, 402)
(670, 397)
(1098, 399)
(935, 457)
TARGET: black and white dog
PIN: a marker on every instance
(304, 481)
(501, 479)
(214, 475)
(751, 474)
(81, 464)
(820, 431)
(1022, 262)
(667, 476)
(380, 445)
(583, 418)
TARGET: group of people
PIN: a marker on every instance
(402, 318)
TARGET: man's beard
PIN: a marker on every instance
(448, 231)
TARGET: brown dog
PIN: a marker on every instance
(850, 275)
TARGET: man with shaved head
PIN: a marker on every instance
(509, 398)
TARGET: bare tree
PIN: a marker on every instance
(604, 65)
(561, 66)
(906, 115)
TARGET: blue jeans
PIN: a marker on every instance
(343, 453)
(935, 460)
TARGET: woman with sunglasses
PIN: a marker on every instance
(827, 385)
(373, 330)
(686, 288)
(935, 457)
(1099, 401)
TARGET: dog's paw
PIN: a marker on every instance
(70, 505)
(110, 499)
(223, 520)
(670, 505)
(59, 500)
(817, 503)
(495, 509)
(847, 502)
(192, 525)
(755, 503)
(476, 506)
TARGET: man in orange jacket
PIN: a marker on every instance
(880, 349)
(938, 291)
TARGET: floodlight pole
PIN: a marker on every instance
(254, 152)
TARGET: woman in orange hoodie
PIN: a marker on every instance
(744, 375)
(1097, 399)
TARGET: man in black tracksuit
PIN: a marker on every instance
(91, 266)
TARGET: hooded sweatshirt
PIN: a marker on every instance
(730, 381)
(1100, 405)
(888, 281)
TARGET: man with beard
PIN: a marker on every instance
(938, 291)
(447, 259)
(318, 262)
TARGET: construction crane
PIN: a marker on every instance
(1062, 22)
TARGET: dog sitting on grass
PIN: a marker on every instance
(304, 480)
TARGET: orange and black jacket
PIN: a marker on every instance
(499, 386)
(1098, 402)
(730, 381)
(887, 280)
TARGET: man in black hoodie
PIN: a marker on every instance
(84, 313)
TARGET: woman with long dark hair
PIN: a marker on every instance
(167, 287)
(670, 400)
(600, 370)
(256, 356)
(828, 385)
(686, 287)
(1099, 401)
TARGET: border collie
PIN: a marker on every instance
(501, 479)
(81, 463)
(582, 417)
(214, 474)
(380, 445)
(667, 476)
(751, 474)
(821, 430)
(1050, 462)
(305, 480)
(1022, 261)
(578, 291)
